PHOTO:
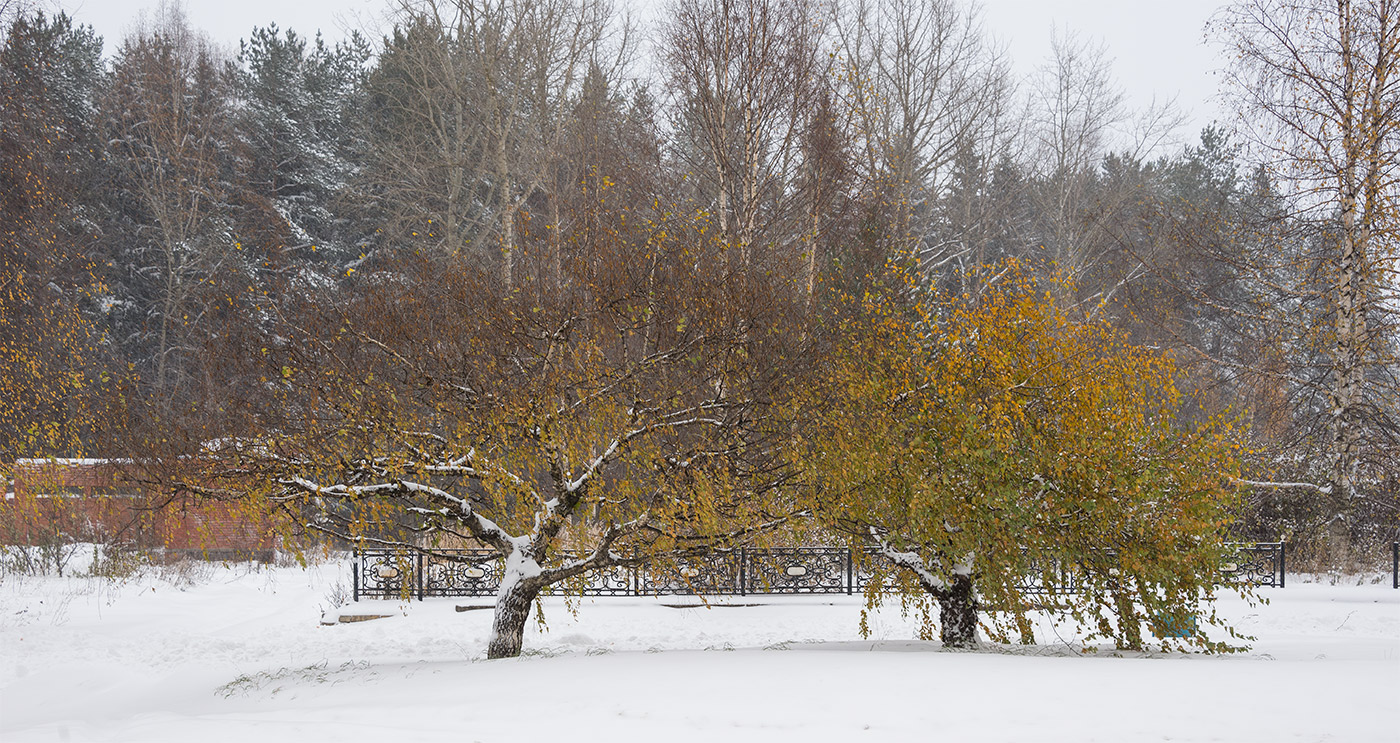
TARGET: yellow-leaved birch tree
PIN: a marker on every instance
(985, 445)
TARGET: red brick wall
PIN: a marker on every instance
(74, 500)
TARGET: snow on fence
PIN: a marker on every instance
(388, 574)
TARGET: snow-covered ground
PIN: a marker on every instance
(240, 655)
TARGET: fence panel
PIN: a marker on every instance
(1261, 564)
(720, 573)
(610, 581)
(798, 570)
(385, 574)
(462, 573)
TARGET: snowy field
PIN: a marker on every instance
(240, 654)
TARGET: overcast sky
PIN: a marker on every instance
(1158, 47)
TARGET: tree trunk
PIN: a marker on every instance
(508, 626)
(508, 248)
(813, 237)
(1338, 535)
(958, 614)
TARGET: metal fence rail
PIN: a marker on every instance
(386, 574)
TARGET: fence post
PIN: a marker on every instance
(418, 576)
(355, 576)
(1282, 566)
(1395, 564)
(850, 574)
(743, 571)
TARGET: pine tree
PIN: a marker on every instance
(299, 119)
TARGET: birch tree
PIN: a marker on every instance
(614, 414)
(983, 445)
(473, 98)
(1318, 93)
(1077, 104)
(743, 74)
(168, 125)
(919, 80)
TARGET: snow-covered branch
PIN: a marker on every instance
(1323, 489)
(461, 510)
(911, 561)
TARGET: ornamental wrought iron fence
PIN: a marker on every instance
(387, 574)
(1260, 564)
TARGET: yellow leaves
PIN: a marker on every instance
(1023, 424)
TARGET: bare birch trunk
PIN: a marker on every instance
(508, 248)
(812, 259)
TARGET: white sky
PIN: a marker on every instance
(1158, 47)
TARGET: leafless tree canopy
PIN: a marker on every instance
(1320, 100)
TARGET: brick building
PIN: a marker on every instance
(103, 501)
